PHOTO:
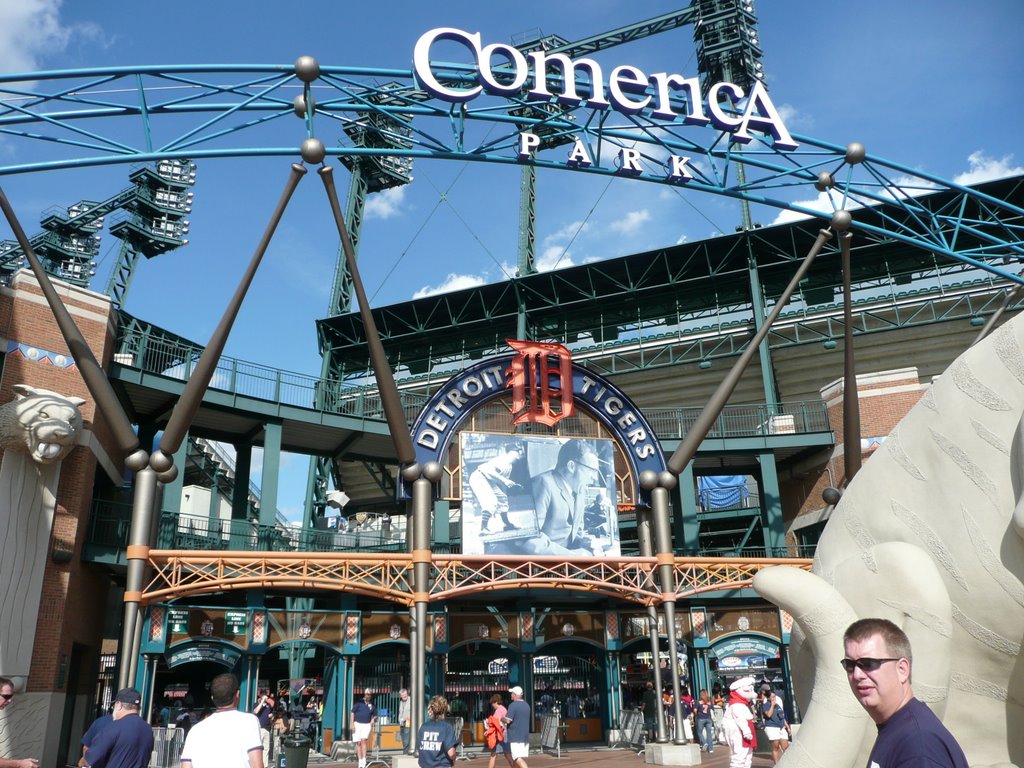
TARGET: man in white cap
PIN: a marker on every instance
(517, 721)
(738, 723)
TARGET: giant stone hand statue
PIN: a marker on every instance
(930, 534)
(37, 430)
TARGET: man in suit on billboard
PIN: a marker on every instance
(560, 502)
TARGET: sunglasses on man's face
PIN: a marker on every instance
(6, 696)
(867, 664)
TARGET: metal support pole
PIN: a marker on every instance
(666, 577)
(422, 500)
(707, 417)
(416, 663)
(643, 532)
(416, 673)
(851, 398)
(1008, 298)
(137, 557)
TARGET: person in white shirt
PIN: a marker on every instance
(228, 738)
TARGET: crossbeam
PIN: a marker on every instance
(185, 573)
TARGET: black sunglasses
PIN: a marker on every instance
(867, 664)
(7, 696)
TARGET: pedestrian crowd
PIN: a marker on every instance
(877, 661)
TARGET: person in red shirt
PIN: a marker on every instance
(495, 732)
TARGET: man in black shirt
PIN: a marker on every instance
(264, 712)
(649, 703)
(877, 664)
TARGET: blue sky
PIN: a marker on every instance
(932, 85)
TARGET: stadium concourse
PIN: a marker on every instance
(561, 482)
(588, 757)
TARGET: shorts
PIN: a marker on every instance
(775, 734)
(361, 732)
(499, 748)
(519, 749)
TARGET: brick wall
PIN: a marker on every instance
(884, 398)
(72, 604)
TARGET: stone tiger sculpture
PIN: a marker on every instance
(37, 430)
(41, 423)
(930, 534)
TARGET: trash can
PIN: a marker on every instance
(294, 751)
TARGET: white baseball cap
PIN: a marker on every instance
(516, 690)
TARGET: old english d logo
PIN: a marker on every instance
(538, 373)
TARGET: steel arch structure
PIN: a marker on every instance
(93, 117)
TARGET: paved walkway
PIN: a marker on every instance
(580, 757)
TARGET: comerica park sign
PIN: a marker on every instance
(545, 77)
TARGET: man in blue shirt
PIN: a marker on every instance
(364, 715)
(98, 725)
(127, 742)
(877, 663)
(517, 720)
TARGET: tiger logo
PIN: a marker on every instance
(43, 424)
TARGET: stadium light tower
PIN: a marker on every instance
(729, 50)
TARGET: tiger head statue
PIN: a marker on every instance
(41, 423)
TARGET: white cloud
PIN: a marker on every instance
(30, 30)
(981, 168)
(631, 222)
(984, 168)
(794, 119)
(385, 204)
(821, 203)
(567, 232)
(682, 239)
(293, 514)
(550, 258)
(453, 282)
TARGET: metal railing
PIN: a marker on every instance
(752, 553)
(167, 746)
(108, 527)
(177, 359)
(801, 417)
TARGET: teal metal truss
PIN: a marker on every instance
(76, 118)
(377, 122)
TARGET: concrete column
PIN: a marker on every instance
(214, 508)
(687, 528)
(271, 469)
(172, 490)
(771, 505)
(240, 495)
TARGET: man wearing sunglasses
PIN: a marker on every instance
(6, 697)
(877, 663)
